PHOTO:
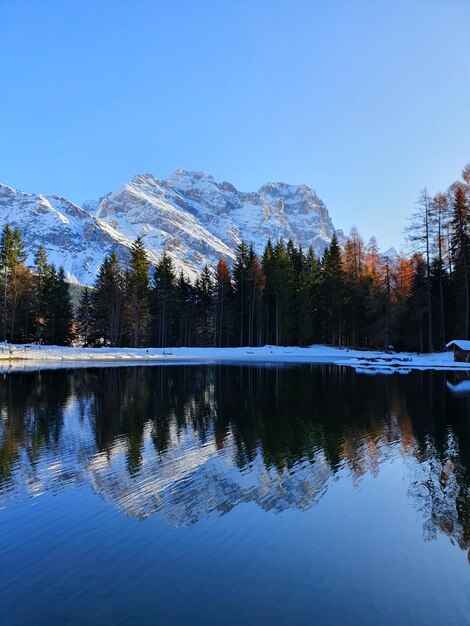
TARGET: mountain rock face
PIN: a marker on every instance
(72, 237)
(194, 218)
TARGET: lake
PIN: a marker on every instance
(234, 494)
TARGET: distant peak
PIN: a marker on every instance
(181, 174)
(391, 253)
(277, 188)
(144, 179)
(9, 189)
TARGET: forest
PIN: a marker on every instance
(351, 296)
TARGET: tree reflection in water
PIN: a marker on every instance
(188, 441)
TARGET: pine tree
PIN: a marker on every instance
(63, 311)
(138, 295)
(333, 292)
(184, 302)
(269, 292)
(282, 274)
(315, 280)
(255, 288)
(240, 279)
(15, 277)
(164, 301)
(48, 298)
(299, 286)
(204, 307)
(461, 254)
(107, 298)
(85, 317)
(40, 265)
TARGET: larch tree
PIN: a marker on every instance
(440, 217)
(223, 312)
(420, 234)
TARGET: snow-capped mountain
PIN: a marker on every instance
(198, 220)
(391, 253)
(190, 215)
(72, 237)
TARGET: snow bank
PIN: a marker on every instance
(365, 362)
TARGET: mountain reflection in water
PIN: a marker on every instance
(190, 441)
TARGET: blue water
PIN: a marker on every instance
(234, 495)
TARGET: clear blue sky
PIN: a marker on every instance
(366, 101)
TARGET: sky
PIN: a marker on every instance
(367, 101)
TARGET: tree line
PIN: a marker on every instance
(351, 295)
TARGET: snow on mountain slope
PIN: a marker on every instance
(198, 220)
(152, 209)
(72, 237)
(194, 218)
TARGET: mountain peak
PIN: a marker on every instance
(144, 179)
(194, 218)
(188, 177)
(391, 253)
(279, 188)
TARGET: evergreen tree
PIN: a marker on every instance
(138, 295)
(269, 293)
(204, 307)
(107, 298)
(48, 296)
(15, 278)
(165, 301)
(240, 278)
(85, 317)
(255, 288)
(40, 265)
(461, 254)
(312, 306)
(282, 274)
(333, 292)
(63, 311)
(184, 303)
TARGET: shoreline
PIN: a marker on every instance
(363, 361)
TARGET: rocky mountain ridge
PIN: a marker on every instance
(193, 217)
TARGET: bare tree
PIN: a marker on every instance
(419, 234)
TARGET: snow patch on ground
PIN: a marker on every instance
(16, 356)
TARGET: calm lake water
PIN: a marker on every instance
(235, 495)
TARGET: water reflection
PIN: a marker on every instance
(190, 441)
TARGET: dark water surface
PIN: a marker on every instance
(234, 495)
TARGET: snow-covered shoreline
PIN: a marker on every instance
(17, 356)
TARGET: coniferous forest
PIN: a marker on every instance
(351, 296)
